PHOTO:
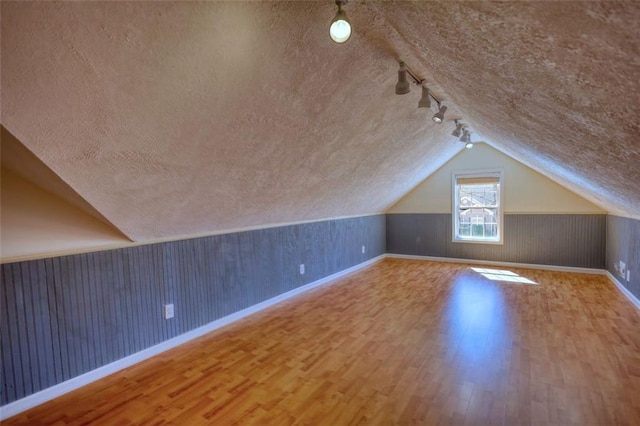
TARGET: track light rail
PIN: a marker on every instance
(419, 82)
(403, 86)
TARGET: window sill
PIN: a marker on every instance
(462, 240)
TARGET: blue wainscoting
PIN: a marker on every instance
(623, 244)
(575, 240)
(64, 316)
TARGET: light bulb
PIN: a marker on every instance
(340, 29)
(439, 116)
(469, 145)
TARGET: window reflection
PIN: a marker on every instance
(503, 275)
(477, 325)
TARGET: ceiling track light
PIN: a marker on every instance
(458, 130)
(403, 87)
(466, 136)
(438, 117)
(425, 100)
(340, 29)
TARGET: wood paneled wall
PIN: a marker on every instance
(545, 239)
(64, 316)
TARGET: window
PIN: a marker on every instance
(477, 207)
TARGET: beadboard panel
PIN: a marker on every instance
(64, 316)
(623, 244)
(546, 239)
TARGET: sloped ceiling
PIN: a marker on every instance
(181, 118)
(36, 223)
(19, 160)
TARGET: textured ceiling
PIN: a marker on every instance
(176, 119)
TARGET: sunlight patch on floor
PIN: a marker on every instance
(503, 275)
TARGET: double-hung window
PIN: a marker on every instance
(477, 207)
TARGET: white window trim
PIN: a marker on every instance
(499, 173)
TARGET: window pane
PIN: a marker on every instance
(478, 208)
(478, 195)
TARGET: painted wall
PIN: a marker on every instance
(544, 223)
(64, 316)
(34, 222)
(20, 160)
(623, 243)
(549, 239)
(525, 190)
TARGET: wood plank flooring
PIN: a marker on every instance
(401, 342)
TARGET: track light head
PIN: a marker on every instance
(402, 86)
(439, 116)
(425, 100)
(458, 130)
(340, 29)
(466, 136)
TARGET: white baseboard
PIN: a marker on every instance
(623, 289)
(60, 389)
(496, 263)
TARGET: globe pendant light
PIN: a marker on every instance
(340, 29)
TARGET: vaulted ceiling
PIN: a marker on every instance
(178, 118)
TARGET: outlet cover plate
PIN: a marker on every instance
(168, 311)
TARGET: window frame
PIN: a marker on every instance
(488, 173)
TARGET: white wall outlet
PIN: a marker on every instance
(364, 249)
(167, 311)
(628, 275)
(622, 268)
(302, 269)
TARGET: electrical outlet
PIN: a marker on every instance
(628, 275)
(302, 269)
(364, 249)
(622, 268)
(168, 311)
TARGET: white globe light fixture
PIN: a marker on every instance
(340, 29)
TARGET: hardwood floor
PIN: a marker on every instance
(401, 342)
